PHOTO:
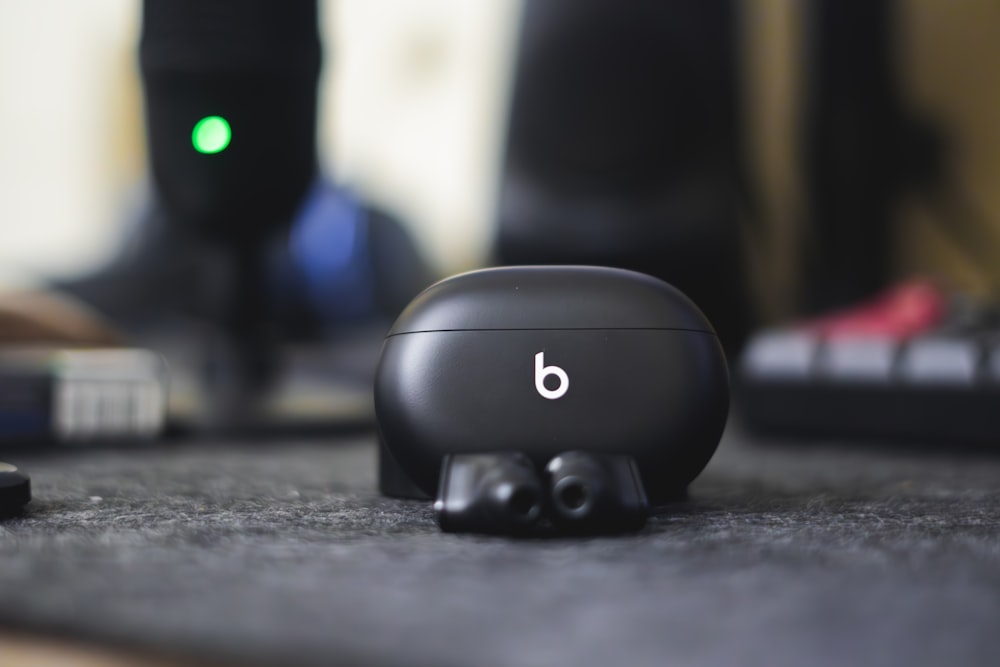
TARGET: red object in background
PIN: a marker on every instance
(903, 311)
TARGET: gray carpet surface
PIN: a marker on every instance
(283, 553)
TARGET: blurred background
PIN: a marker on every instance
(776, 160)
(413, 104)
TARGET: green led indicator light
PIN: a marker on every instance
(211, 134)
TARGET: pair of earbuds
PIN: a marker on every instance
(467, 407)
(505, 493)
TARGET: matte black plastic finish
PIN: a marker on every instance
(645, 375)
(15, 490)
(596, 493)
(550, 297)
(489, 493)
(393, 480)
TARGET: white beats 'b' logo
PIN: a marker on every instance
(542, 371)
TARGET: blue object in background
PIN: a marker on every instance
(331, 271)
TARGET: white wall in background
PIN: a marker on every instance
(70, 134)
(413, 103)
(416, 112)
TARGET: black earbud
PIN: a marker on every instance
(502, 492)
(489, 493)
(596, 493)
(15, 490)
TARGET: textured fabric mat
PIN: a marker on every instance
(284, 553)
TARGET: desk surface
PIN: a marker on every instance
(284, 553)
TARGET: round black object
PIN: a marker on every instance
(546, 359)
(15, 490)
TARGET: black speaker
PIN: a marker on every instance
(230, 103)
(623, 147)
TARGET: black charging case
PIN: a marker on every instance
(545, 360)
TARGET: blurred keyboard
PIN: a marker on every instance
(78, 396)
(932, 375)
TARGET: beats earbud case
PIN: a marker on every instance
(545, 360)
